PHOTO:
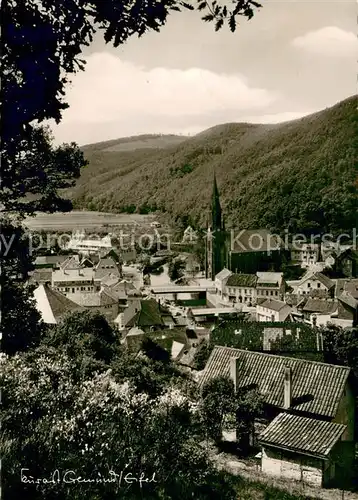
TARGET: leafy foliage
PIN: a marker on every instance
(308, 159)
(218, 404)
(223, 409)
(176, 269)
(286, 337)
(341, 346)
(20, 322)
(202, 354)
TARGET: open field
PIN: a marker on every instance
(84, 220)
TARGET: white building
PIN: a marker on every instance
(75, 280)
(241, 288)
(305, 254)
(220, 281)
(270, 285)
(80, 244)
(272, 310)
(248, 288)
(312, 281)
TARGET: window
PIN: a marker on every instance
(271, 292)
(308, 285)
(318, 285)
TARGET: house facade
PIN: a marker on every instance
(305, 254)
(318, 447)
(241, 288)
(272, 310)
(314, 282)
(270, 285)
(75, 280)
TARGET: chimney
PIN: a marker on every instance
(233, 370)
(287, 399)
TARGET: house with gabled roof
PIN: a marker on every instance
(221, 279)
(341, 311)
(103, 301)
(314, 281)
(270, 285)
(272, 310)
(108, 265)
(147, 314)
(53, 305)
(318, 392)
(302, 449)
(241, 288)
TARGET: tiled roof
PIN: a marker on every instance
(316, 387)
(301, 434)
(320, 306)
(348, 299)
(317, 276)
(248, 280)
(148, 315)
(351, 286)
(274, 305)
(324, 280)
(52, 304)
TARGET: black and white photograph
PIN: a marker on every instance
(179, 260)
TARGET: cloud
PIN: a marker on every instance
(328, 41)
(116, 97)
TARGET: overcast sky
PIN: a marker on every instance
(293, 58)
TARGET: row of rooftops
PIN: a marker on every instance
(260, 279)
(317, 388)
(313, 391)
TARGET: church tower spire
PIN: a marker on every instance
(216, 214)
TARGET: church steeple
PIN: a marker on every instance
(216, 214)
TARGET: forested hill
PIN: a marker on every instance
(301, 174)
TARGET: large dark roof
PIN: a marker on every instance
(316, 387)
(248, 280)
(274, 305)
(148, 315)
(301, 434)
(321, 306)
(254, 240)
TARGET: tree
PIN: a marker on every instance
(202, 354)
(42, 43)
(94, 425)
(84, 333)
(249, 408)
(218, 405)
(341, 346)
(176, 269)
(21, 325)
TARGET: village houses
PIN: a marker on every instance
(309, 412)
